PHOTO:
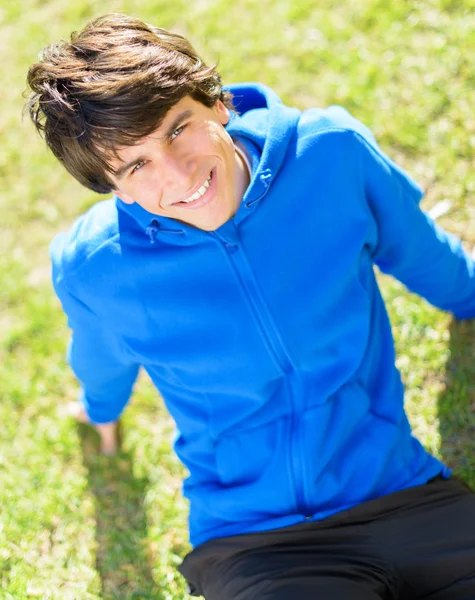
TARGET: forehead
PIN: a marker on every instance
(182, 109)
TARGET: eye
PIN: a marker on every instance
(138, 166)
(177, 132)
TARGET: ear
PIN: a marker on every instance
(221, 112)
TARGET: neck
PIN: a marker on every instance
(243, 175)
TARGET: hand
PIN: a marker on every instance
(108, 432)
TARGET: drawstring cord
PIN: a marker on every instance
(152, 230)
(154, 227)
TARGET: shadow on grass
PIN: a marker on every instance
(123, 561)
(457, 403)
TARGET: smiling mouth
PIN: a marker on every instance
(200, 192)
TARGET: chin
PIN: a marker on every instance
(209, 227)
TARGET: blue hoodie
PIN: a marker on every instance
(268, 338)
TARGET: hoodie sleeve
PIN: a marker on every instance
(97, 357)
(408, 244)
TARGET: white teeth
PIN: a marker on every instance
(200, 192)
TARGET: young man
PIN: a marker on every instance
(235, 264)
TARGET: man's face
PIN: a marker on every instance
(187, 169)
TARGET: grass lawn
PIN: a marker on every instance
(78, 526)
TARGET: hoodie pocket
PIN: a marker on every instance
(244, 457)
(354, 453)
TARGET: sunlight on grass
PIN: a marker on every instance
(79, 526)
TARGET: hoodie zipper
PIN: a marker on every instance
(273, 341)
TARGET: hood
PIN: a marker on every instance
(261, 119)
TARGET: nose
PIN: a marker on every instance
(177, 171)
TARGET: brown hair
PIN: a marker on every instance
(109, 87)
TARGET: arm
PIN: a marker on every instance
(408, 244)
(100, 362)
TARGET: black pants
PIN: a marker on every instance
(414, 544)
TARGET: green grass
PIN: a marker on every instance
(75, 525)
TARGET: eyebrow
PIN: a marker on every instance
(186, 114)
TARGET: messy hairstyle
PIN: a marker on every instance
(110, 86)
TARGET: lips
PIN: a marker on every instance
(202, 195)
(200, 192)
